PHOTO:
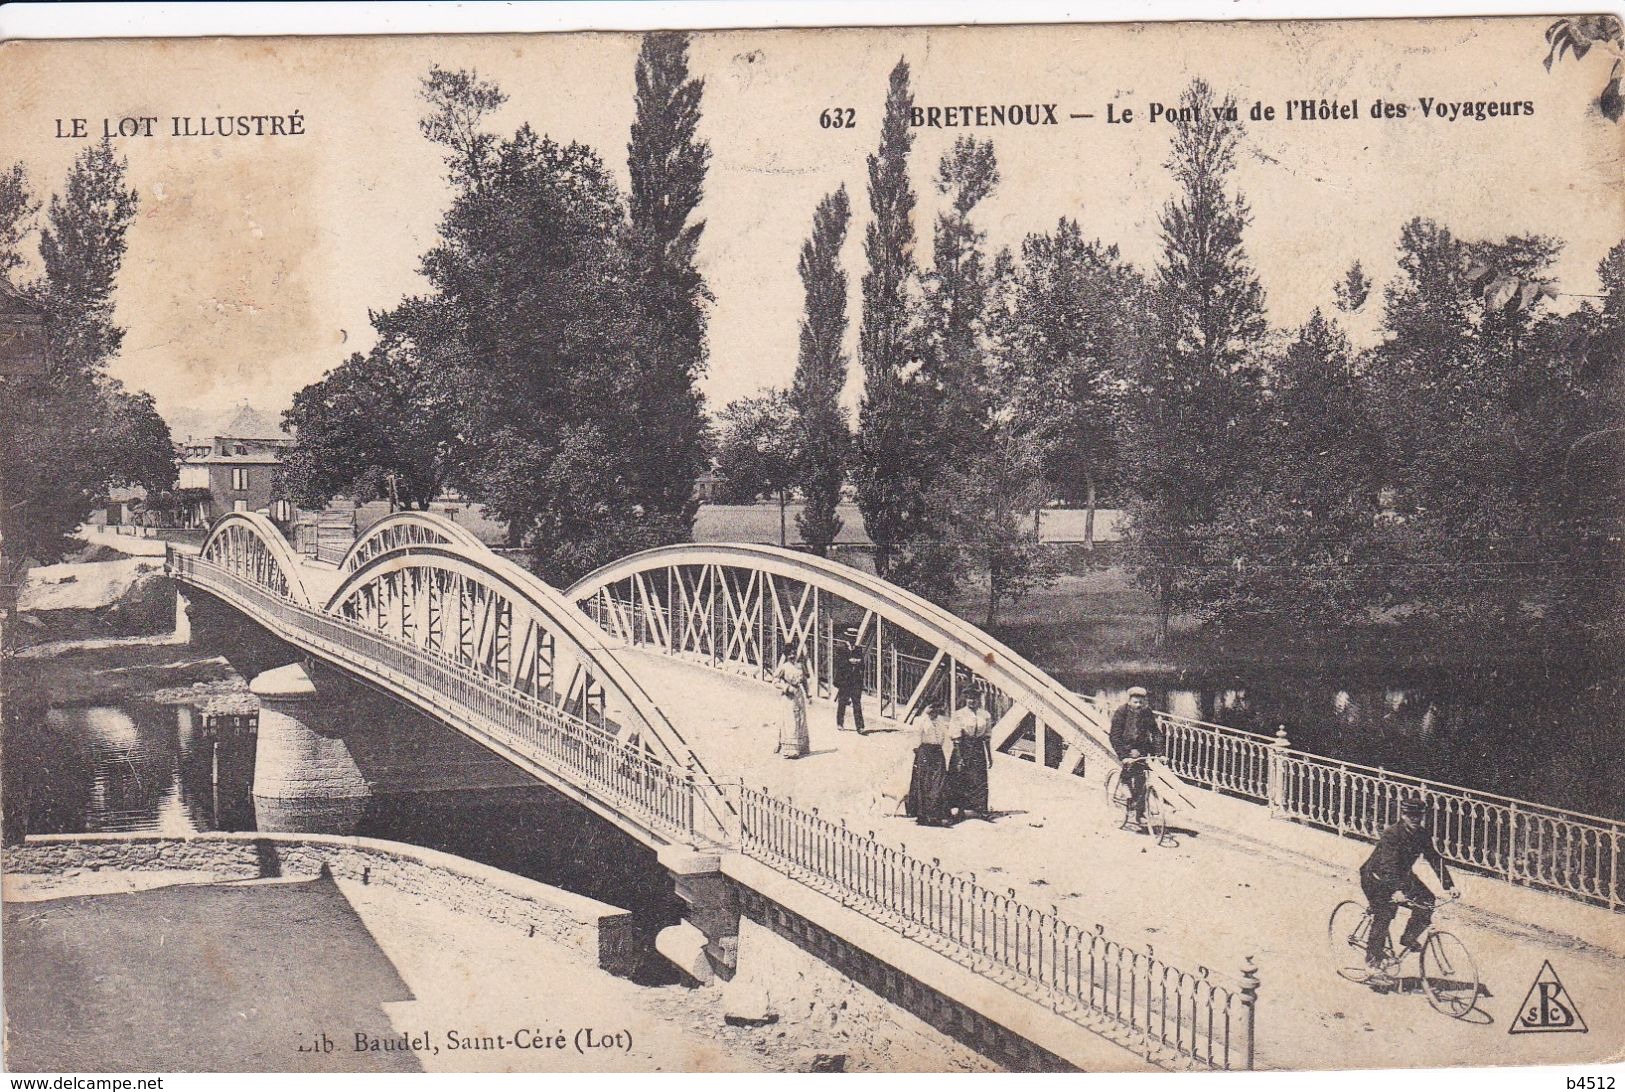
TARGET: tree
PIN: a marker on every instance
(759, 451)
(378, 426)
(538, 323)
(17, 210)
(1353, 290)
(667, 165)
(461, 102)
(70, 438)
(989, 500)
(1299, 547)
(569, 332)
(82, 247)
(1073, 344)
(135, 447)
(1194, 404)
(955, 300)
(1480, 407)
(821, 374)
(892, 445)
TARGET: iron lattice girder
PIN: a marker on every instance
(498, 607)
(249, 544)
(409, 571)
(723, 601)
(404, 530)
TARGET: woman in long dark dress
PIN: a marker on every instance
(926, 784)
(972, 726)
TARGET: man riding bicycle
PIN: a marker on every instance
(1134, 736)
(1388, 879)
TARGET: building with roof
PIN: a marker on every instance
(237, 471)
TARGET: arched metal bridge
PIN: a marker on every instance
(425, 611)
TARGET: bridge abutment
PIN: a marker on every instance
(705, 947)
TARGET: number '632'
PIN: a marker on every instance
(838, 117)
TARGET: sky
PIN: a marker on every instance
(254, 261)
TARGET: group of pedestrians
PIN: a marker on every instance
(794, 682)
(944, 787)
(951, 760)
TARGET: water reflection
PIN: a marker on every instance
(146, 767)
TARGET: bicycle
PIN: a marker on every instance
(1157, 810)
(1446, 969)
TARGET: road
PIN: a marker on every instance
(1232, 883)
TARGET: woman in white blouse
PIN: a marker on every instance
(925, 800)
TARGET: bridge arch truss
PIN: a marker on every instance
(248, 545)
(736, 606)
(432, 616)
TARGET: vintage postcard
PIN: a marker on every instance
(1031, 548)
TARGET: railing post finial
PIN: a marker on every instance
(1249, 1001)
(1275, 787)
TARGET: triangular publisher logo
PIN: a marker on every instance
(1547, 1006)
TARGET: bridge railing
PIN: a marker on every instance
(652, 792)
(1128, 994)
(1533, 845)
(1553, 849)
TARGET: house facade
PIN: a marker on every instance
(238, 473)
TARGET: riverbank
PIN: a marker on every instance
(448, 966)
(1100, 624)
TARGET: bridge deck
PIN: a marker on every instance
(1236, 883)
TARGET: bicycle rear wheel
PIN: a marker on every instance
(1449, 975)
(1346, 933)
(1116, 797)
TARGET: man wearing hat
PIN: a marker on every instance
(1135, 734)
(1389, 874)
(849, 680)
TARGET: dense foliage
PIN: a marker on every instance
(75, 434)
(550, 373)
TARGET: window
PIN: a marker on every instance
(281, 511)
(239, 506)
(239, 478)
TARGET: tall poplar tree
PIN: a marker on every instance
(821, 373)
(892, 430)
(955, 303)
(1196, 400)
(66, 440)
(667, 162)
(82, 247)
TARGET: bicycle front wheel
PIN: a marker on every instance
(1156, 815)
(1346, 933)
(1115, 796)
(1449, 975)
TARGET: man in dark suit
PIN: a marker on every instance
(1135, 735)
(1390, 873)
(849, 680)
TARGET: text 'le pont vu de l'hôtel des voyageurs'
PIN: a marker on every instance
(1042, 114)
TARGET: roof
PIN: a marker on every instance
(249, 423)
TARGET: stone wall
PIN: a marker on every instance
(602, 932)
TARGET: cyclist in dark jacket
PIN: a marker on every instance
(1135, 734)
(1389, 874)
